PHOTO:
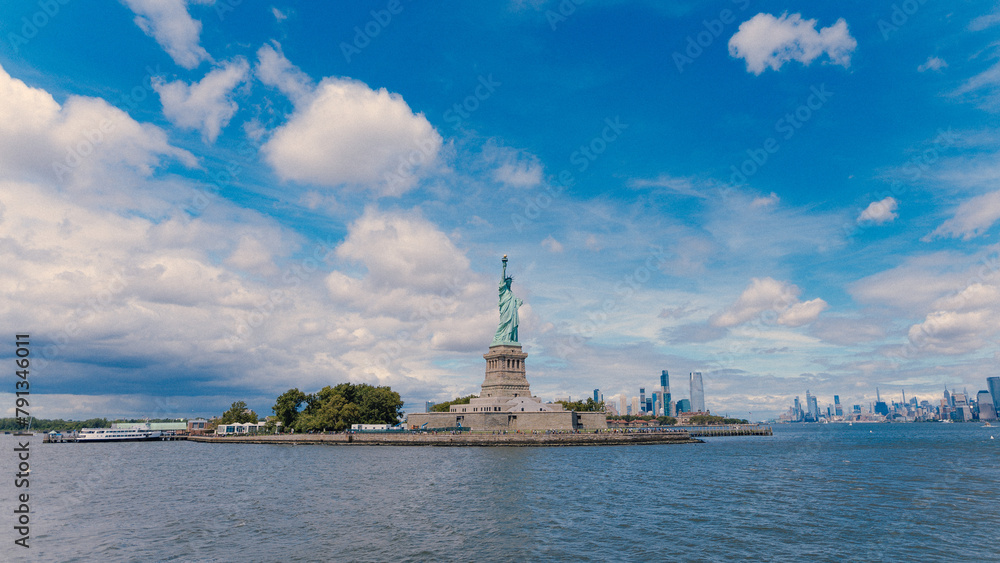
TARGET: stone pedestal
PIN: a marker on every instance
(505, 372)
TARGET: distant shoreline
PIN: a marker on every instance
(443, 439)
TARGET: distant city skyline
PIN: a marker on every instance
(957, 406)
(204, 202)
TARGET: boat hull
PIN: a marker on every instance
(137, 439)
(118, 435)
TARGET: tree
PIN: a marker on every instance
(286, 408)
(238, 414)
(446, 406)
(337, 408)
(702, 419)
(590, 405)
(379, 405)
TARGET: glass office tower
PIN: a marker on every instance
(697, 392)
(665, 393)
(993, 384)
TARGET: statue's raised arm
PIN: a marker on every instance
(507, 329)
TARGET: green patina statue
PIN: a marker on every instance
(507, 329)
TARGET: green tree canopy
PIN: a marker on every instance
(583, 406)
(286, 408)
(702, 419)
(446, 406)
(238, 414)
(337, 408)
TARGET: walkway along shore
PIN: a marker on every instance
(664, 435)
(464, 439)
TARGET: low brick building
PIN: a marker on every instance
(506, 404)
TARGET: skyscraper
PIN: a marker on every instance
(665, 393)
(642, 399)
(987, 411)
(697, 392)
(993, 384)
(837, 409)
(597, 394)
(813, 407)
(880, 406)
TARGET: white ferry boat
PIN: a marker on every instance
(117, 435)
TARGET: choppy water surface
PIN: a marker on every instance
(819, 493)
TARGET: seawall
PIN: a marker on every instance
(420, 439)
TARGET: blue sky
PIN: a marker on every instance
(203, 202)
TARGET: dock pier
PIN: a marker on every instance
(729, 430)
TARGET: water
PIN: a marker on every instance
(868, 492)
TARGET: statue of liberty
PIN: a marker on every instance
(507, 329)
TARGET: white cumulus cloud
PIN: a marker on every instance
(768, 294)
(880, 212)
(952, 332)
(402, 250)
(168, 22)
(512, 167)
(275, 70)
(73, 142)
(207, 105)
(765, 41)
(416, 281)
(802, 313)
(346, 133)
(520, 174)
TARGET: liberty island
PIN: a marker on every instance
(504, 414)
